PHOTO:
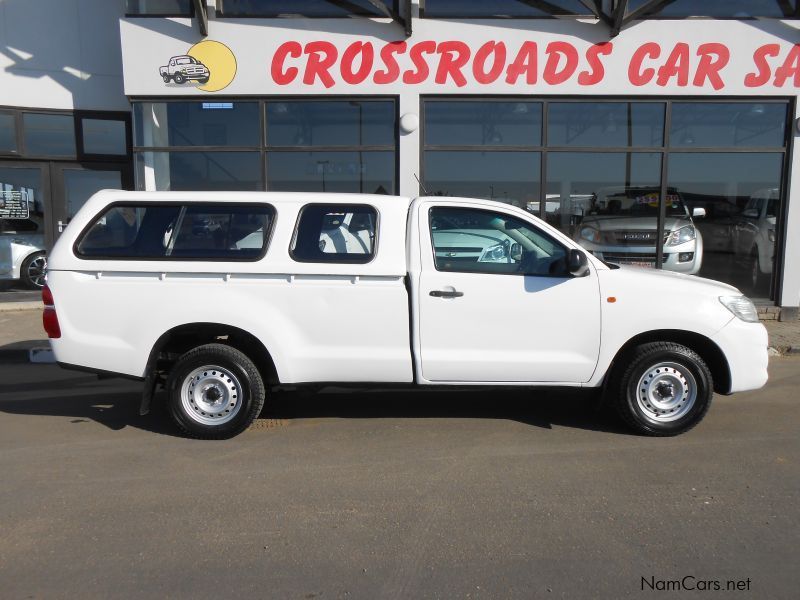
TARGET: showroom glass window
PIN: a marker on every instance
(483, 149)
(331, 146)
(504, 8)
(286, 145)
(197, 145)
(607, 173)
(306, 8)
(719, 9)
(160, 8)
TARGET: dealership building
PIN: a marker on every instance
(655, 133)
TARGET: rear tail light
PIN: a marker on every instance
(49, 316)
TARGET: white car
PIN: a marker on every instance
(225, 296)
(22, 255)
(621, 228)
(753, 236)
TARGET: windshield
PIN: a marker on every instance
(638, 203)
(186, 61)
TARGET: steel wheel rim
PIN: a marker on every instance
(211, 395)
(666, 392)
(37, 271)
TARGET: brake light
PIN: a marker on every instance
(49, 316)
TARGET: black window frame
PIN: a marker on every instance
(543, 233)
(175, 203)
(96, 115)
(349, 259)
(393, 9)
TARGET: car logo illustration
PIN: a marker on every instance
(210, 64)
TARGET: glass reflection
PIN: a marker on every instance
(740, 195)
(605, 124)
(721, 124)
(469, 123)
(367, 172)
(236, 171)
(346, 123)
(509, 177)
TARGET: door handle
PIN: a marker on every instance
(446, 294)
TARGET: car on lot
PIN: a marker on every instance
(350, 289)
(22, 254)
(620, 227)
(753, 236)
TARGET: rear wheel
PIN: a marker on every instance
(215, 392)
(662, 389)
(34, 271)
(166, 78)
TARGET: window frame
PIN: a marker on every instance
(94, 115)
(175, 203)
(354, 261)
(533, 226)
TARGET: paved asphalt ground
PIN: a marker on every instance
(392, 495)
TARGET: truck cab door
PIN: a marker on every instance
(496, 301)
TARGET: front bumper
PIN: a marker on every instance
(745, 348)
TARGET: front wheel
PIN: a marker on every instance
(215, 392)
(179, 78)
(662, 389)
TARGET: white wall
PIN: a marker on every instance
(61, 54)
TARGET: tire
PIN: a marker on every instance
(661, 389)
(214, 392)
(758, 280)
(203, 80)
(179, 78)
(34, 270)
(166, 78)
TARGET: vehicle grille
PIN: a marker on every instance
(636, 238)
(630, 257)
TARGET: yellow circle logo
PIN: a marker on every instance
(219, 60)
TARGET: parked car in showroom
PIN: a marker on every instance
(22, 254)
(753, 236)
(621, 225)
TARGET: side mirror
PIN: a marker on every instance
(750, 213)
(577, 263)
(698, 212)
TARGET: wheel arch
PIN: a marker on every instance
(182, 338)
(711, 354)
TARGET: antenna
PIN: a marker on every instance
(422, 185)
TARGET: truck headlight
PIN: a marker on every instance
(493, 253)
(590, 234)
(741, 306)
(771, 235)
(681, 236)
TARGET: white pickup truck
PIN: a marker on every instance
(223, 296)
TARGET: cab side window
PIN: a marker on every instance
(482, 241)
(335, 233)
